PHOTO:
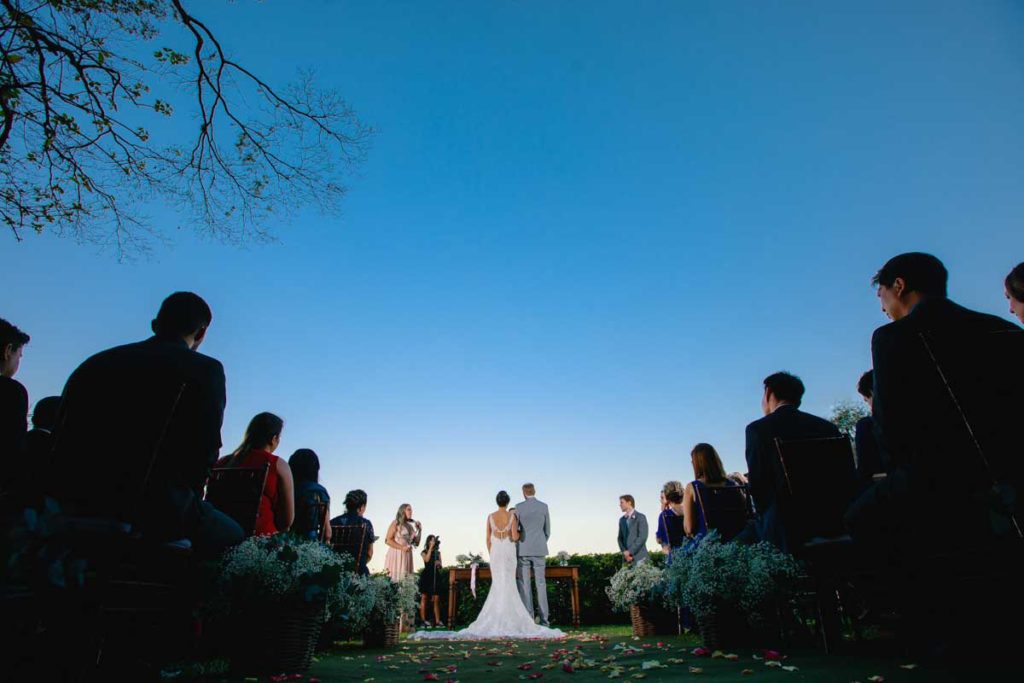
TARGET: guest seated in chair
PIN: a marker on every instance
(869, 456)
(13, 399)
(312, 503)
(783, 393)
(355, 508)
(28, 474)
(155, 407)
(262, 437)
(708, 472)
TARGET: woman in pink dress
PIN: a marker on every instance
(403, 535)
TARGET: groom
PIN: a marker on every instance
(532, 549)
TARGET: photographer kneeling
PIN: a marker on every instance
(429, 580)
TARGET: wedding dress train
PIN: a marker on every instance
(503, 614)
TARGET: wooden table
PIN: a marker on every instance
(457, 574)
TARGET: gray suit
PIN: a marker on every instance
(532, 549)
(633, 536)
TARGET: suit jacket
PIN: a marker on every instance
(633, 535)
(534, 528)
(13, 419)
(115, 407)
(765, 473)
(920, 428)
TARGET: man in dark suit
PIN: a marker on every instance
(139, 431)
(780, 402)
(869, 456)
(13, 398)
(920, 428)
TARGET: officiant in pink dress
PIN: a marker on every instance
(403, 535)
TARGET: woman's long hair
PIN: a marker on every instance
(401, 520)
(1015, 282)
(261, 431)
(305, 465)
(707, 465)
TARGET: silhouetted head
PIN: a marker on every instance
(1015, 291)
(502, 499)
(907, 279)
(781, 388)
(305, 465)
(183, 315)
(44, 416)
(12, 343)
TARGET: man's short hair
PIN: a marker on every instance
(355, 500)
(629, 499)
(866, 384)
(923, 273)
(9, 334)
(44, 416)
(181, 314)
(529, 490)
(786, 387)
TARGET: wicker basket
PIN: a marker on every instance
(643, 621)
(730, 630)
(383, 635)
(278, 640)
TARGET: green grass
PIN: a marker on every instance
(599, 653)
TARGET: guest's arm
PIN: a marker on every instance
(689, 510)
(759, 472)
(327, 523)
(285, 513)
(370, 540)
(547, 524)
(621, 539)
(661, 534)
(487, 537)
(515, 528)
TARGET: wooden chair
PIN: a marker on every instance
(725, 508)
(675, 530)
(237, 492)
(349, 540)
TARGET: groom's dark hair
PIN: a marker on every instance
(503, 499)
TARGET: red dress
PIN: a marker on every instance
(257, 458)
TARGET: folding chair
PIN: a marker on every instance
(725, 508)
(237, 492)
(349, 540)
(820, 478)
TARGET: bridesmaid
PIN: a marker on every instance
(402, 536)
(277, 505)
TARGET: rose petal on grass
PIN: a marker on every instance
(789, 668)
(908, 667)
(696, 670)
(732, 657)
(700, 652)
(876, 679)
(747, 672)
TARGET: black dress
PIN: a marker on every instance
(430, 578)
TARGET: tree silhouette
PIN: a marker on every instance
(77, 101)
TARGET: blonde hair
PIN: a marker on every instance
(673, 490)
(400, 520)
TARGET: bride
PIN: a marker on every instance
(503, 614)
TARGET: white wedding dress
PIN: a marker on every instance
(503, 614)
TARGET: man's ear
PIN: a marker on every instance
(200, 335)
(7, 352)
(899, 286)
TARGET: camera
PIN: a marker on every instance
(437, 542)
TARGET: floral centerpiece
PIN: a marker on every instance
(278, 591)
(563, 558)
(640, 590)
(730, 587)
(376, 604)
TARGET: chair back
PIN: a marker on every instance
(674, 529)
(237, 492)
(349, 539)
(310, 520)
(725, 508)
(820, 483)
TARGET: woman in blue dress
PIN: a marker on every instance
(708, 472)
(670, 528)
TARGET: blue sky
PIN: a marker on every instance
(584, 234)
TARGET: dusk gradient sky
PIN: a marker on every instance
(585, 232)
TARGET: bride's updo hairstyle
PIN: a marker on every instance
(502, 499)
